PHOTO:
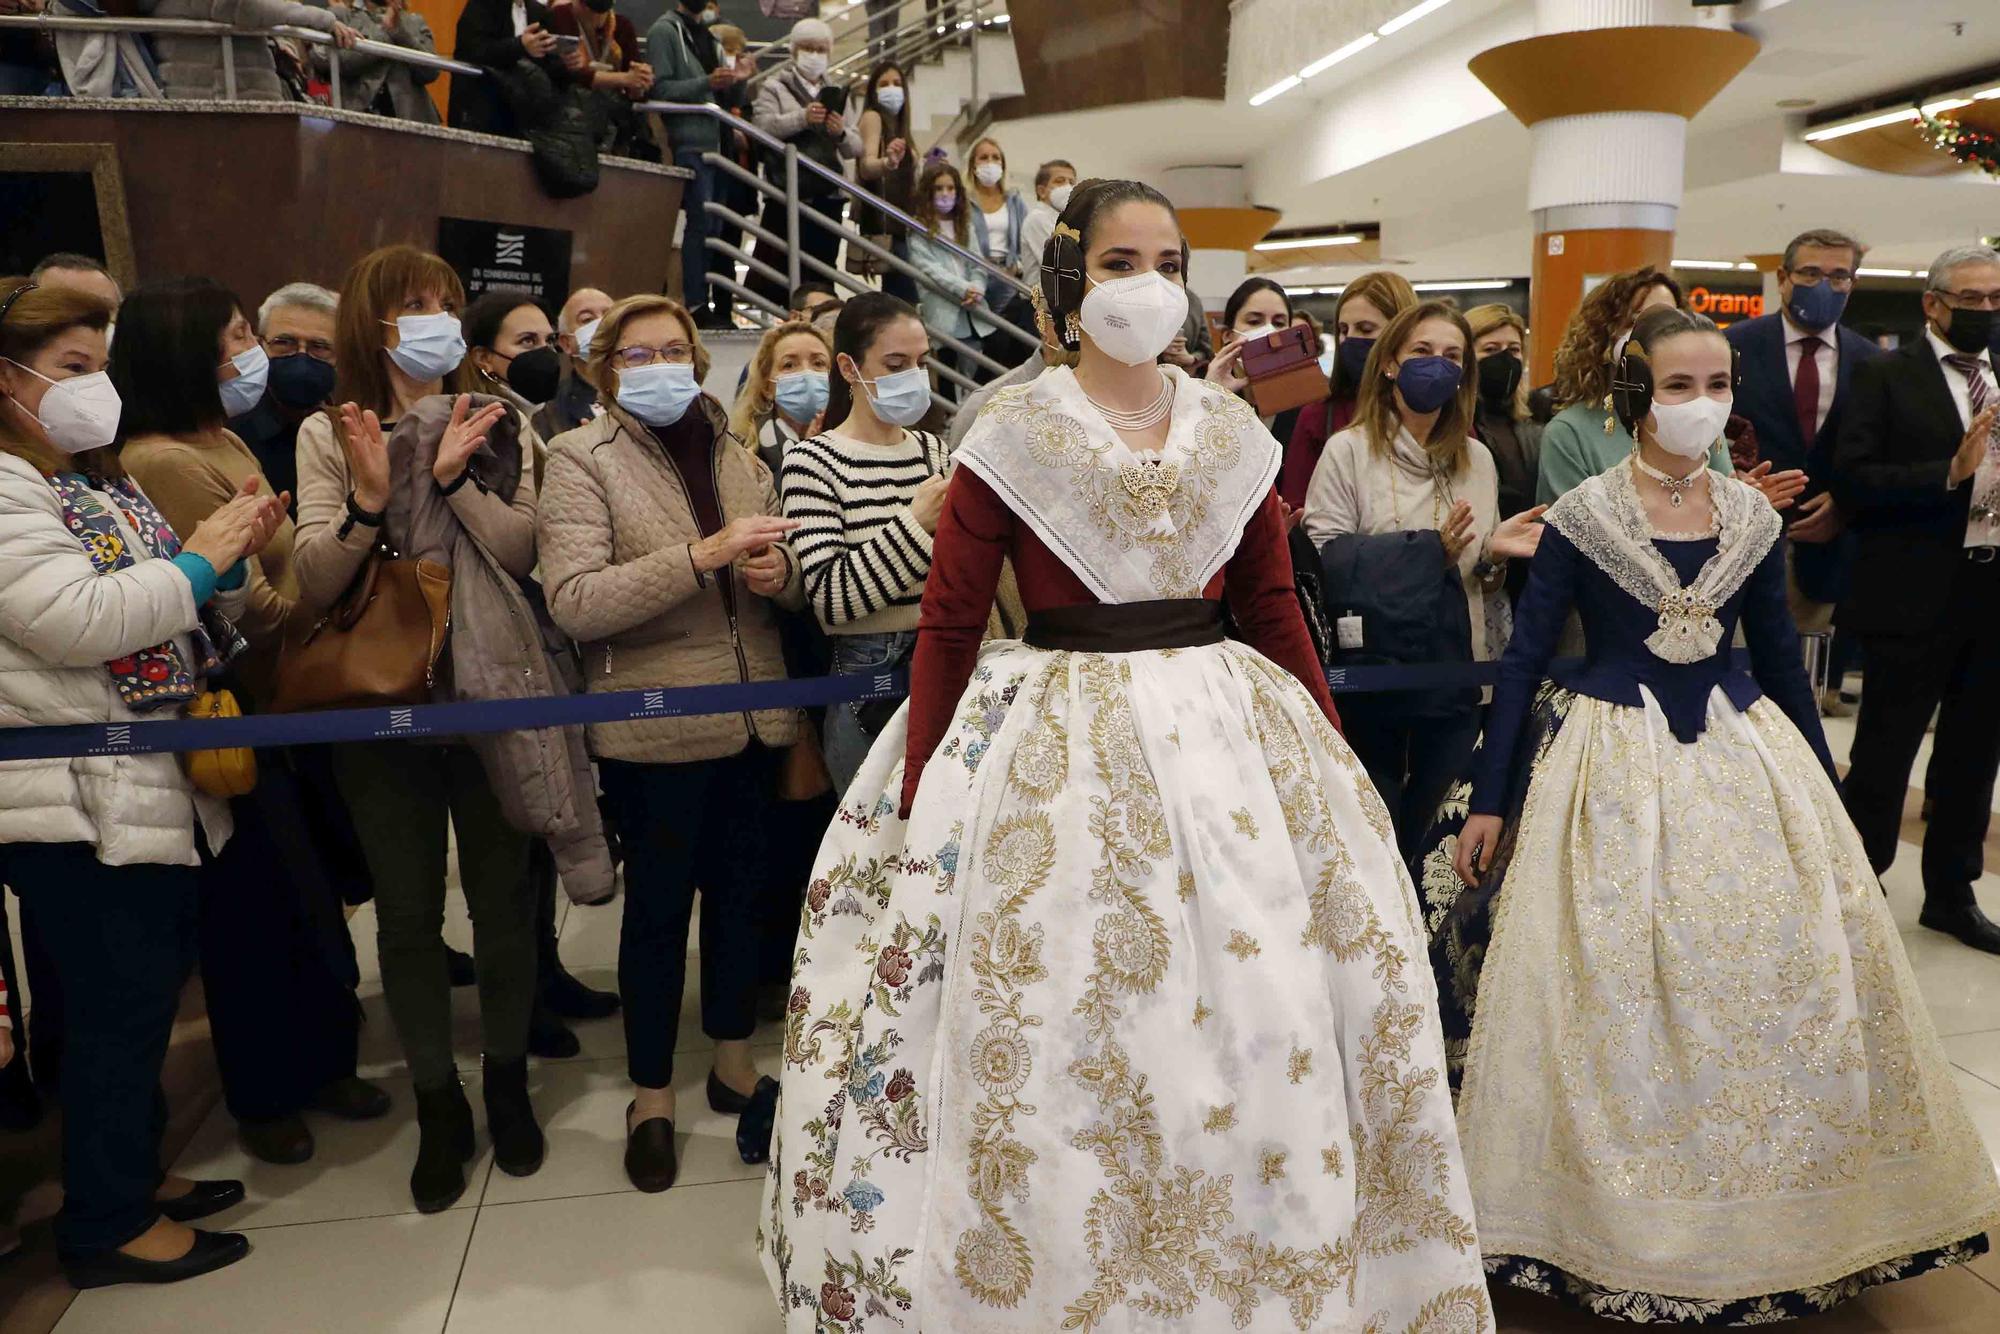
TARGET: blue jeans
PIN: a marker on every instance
(694, 239)
(846, 744)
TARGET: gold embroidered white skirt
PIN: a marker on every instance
(1129, 1026)
(1700, 1065)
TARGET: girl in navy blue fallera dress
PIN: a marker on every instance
(1700, 1085)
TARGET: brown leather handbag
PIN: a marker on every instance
(378, 645)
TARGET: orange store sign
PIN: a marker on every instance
(1732, 305)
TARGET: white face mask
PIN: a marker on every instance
(1059, 197)
(812, 64)
(988, 174)
(1689, 430)
(585, 334)
(1132, 319)
(78, 414)
(891, 98)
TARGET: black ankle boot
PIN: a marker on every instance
(444, 1121)
(510, 1118)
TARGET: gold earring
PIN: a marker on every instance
(1073, 328)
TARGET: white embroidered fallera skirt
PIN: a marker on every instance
(1700, 1065)
(1129, 1027)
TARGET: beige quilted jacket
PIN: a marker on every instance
(616, 528)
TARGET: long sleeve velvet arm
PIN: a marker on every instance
(966, 555)
(1538, 625)
(1258, 583)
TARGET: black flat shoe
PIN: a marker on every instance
(753, 1128)
(459, 965)
(724, 1099)
(211, 1251)
(567, 998)
(207, 1197)
(1965, 923)
(352, 1099)
(285, 1140)
(650, 1161)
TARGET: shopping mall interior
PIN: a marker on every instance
(1512, 154)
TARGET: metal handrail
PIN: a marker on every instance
(840, 181)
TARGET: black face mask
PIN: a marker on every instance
(536, 375)
(598, 6)
(1499, 377)
(1971, 330)
(301, 381)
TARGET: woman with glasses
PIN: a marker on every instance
(663, 556)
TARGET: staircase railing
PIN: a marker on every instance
(798, 263)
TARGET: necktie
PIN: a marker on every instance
(1975, 383)
(1805, 389)
(1985, 488)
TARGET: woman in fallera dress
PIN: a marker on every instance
(1109, 1009)
(1701, 1085)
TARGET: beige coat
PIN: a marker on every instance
(617, 532)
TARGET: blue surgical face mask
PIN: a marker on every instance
(901, 399)
(428, 347)
(1817, 307)
(891, 98)
(659, 394)
(801, 395)
(246, 390)
(1427, 383)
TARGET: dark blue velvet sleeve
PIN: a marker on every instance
(1776, 659)
(1538, 625)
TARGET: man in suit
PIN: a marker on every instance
(1797, 365)
(1917, 472)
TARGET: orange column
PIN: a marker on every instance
(442, 15)
(1606, 102)
(1569, 264)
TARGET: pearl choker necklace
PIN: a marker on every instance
(1677, 487)
(1145, 418)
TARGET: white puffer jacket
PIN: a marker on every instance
(60, 622)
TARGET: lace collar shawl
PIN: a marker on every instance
(1131, 529)
(1605, 520)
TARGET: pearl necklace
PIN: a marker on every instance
(1145, 418)
(1677, 487)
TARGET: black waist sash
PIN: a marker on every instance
(1127, 627)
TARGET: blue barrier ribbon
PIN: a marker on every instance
(435, 720)
(620, 706)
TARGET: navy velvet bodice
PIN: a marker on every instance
(1617, 662)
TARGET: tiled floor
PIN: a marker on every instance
(575, 1249)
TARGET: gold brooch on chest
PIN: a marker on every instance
(1150, 485)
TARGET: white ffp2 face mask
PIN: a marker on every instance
(78, 414)
(1689, 430)
(1132, 319)
(988, 174)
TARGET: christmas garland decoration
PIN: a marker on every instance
(1974, 148)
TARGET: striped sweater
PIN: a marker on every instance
(863, 554)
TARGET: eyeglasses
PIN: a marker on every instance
(1812, 276)
(632, 358)
(1970, 300)
(284, 345)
